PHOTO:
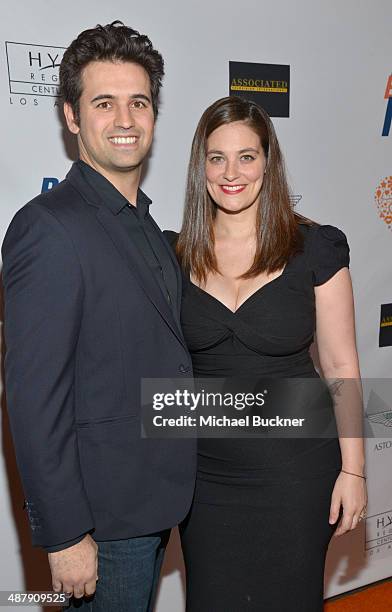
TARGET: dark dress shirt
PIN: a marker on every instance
(138, 226)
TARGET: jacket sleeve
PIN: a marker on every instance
(43, 295)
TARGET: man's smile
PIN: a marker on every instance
(123, 140)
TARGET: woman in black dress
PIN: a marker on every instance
(259, 279)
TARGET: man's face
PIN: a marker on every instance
(116, 119)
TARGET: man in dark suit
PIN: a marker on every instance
(92, 298)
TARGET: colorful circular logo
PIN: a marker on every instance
(383, 199)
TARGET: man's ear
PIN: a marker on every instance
(70, 118)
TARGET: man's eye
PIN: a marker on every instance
(139, 104)
(103, 105)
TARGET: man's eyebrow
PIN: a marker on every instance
(102, 97)
(138, 96)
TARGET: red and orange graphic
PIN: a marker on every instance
(383, 199)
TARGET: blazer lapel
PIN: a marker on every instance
(133, 259)
(140, 270)
(175, 264)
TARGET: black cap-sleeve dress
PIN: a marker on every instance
(257, 533)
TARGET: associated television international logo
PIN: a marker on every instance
(33, 70)
(385, 334)
(383, 199)
(388, 113)
(266, 84)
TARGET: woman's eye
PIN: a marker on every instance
(247, 158)
(215, 159)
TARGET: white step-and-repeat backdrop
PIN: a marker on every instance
(337, 142)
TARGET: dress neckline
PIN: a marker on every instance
(245, 302)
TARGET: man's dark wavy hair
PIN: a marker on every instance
(113, 42)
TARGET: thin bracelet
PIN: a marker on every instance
(352, 474)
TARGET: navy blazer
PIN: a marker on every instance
(85, 320)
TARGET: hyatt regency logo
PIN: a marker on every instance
(33, 70)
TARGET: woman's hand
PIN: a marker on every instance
(350, 493)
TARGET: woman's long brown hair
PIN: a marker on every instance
(278, 235)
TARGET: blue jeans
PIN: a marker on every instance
(128, 572)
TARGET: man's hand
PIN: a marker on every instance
(74, 570)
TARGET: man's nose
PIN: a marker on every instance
(124, 118)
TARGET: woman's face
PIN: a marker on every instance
(235, 165)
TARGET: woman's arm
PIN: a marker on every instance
(335, 333)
